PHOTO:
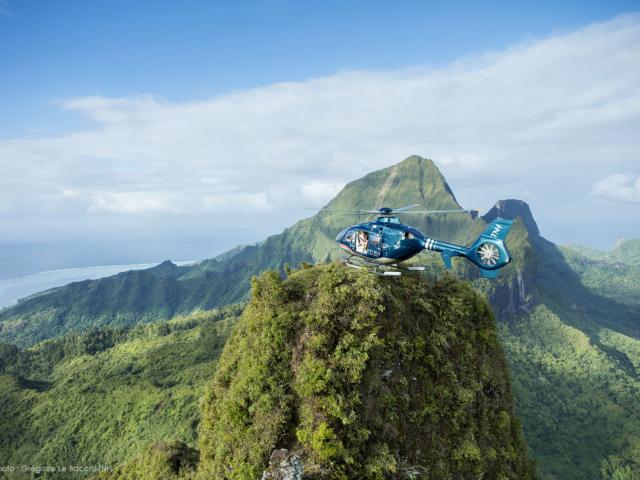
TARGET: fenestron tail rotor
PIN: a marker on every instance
(488, 254)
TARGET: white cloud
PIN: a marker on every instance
(548, 117)
(131, 203)
(141, 108)
(68, 193)
(618, 188)
(319, 193)
(141, 203)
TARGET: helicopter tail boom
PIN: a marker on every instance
(488, 252)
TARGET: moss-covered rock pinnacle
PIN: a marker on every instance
(363, 377)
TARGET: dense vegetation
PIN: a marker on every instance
(580, 423)
(578, 399)
(173, 460)
(624, 252)
(614, 274)
(99, 397)
(363, 377)
(573, 347)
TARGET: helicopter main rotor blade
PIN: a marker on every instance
(377, 211)
(402, 209)
(354, 212)
(429, 212)
(391, 211)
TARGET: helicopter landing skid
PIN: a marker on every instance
(389, 270)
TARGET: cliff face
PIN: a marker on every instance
(343, 375)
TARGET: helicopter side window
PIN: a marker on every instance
(349, 236)
(362, 241)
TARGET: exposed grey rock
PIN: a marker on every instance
(515, 296)
(284, 466)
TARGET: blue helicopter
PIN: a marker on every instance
(382, 245)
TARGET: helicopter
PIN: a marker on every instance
(382, 245)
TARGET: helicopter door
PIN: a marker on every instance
(375, 244)
(367, 243)
(361, 241)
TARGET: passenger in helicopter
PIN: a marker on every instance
(362, 242)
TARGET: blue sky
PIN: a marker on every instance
(126, 126)
(196, 49)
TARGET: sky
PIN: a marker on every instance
(133, 132)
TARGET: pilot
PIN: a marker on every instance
(362, 241)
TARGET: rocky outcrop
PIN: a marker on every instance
(284, 466)
(512, 209)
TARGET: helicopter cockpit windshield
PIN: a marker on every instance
(388, 220)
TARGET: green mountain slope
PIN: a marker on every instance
(100, 397)
(579, 421)
(573, 351)
(337, 374)
(624, 251)
(577, 396)
(614, 274)
(168, 290)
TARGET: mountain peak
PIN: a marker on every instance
(512, 208)
(425, 169)
(165, 269)
(413, 180)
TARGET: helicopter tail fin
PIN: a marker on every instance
(488, 252)
(498, 229)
